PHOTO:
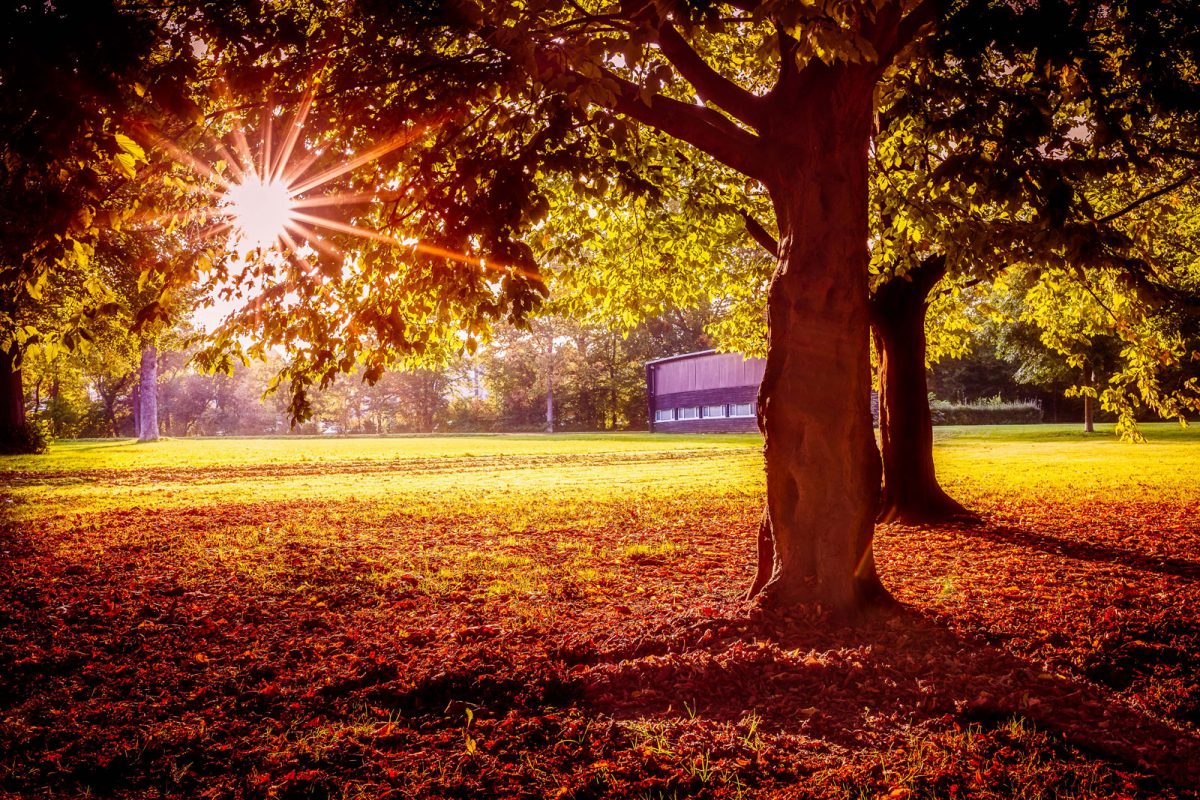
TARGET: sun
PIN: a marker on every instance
(260, 211)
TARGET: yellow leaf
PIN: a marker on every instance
(131, 147)
(126, 164)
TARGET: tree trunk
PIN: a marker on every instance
(110, 414)
(822, 464)
(911, 492)
(56, 415)
(550, 386)
(147, 430)
(136, 402)
(1089, 408)
(13, 424)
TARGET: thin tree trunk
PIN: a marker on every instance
(55, 419)
(13, 423)
(1089, 408)
(550, 386)
(911, 492)
(822, 464)
(136, 398)
(148, 395)
(110, 413)
(612, 382)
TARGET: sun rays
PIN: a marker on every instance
(270, 198)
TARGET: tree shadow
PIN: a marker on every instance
(826, 683)
(1085, 551)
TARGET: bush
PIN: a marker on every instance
(988, 411)
(22, 441)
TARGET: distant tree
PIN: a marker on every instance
(109, 366)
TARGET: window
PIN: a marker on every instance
(714, 411)
(691, 412)
(664, 415)
(741, 409)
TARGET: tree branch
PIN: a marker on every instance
(700, 126)
(696, 125)
(1146, 198)
(710, 85)
(892, 30)
(760, 234)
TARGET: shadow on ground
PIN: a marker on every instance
(834, 683)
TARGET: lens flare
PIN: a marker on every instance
(260, 211)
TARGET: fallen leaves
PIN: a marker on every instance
(308, 648)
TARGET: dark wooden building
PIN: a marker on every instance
(705, 392)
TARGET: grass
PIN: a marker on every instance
(198, 453)
(1045, 460)
(315, 617)
(562, 478)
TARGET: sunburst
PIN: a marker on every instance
(270, 205)
(260, 211)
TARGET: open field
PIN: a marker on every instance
(562, 617)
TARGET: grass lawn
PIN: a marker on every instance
(561, 616)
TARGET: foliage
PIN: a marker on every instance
(74, 74)
(32, 438)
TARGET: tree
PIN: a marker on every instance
(805, 139)
(109, 366)
(989, 160)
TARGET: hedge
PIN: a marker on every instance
(992, 411)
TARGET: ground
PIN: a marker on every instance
(533, 616)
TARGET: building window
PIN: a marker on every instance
(690, 412)
(741, 409)
(714, 411)
(664, 415)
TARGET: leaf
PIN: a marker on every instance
(126, 164)
(131, 147)
(82, 257)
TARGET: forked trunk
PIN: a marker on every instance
(13, 433)
(148, 395)
(911, 492)
(823, 467)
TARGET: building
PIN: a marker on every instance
(705, 392)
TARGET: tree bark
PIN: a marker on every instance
(911, 492)
(147, 430)
(13, 423)
(822, 464)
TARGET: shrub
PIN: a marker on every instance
(30, 438)
(987, 411)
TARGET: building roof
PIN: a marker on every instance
(681, 357)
